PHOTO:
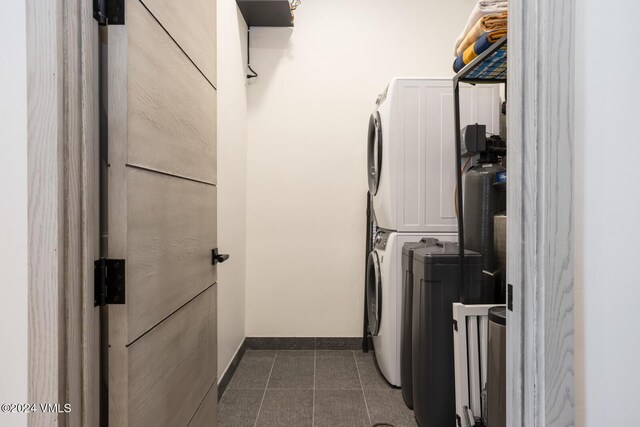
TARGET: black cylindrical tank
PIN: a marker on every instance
(483, 200)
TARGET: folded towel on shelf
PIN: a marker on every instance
(482, 8)
(486, 24)
(477, 48)
(487, 5)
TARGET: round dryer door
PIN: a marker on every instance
(374, 152)
(374, 293)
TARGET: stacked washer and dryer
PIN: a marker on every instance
(412, 180)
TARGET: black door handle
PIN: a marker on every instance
(216, 257)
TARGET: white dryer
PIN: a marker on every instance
(411, 150)
(384, 296)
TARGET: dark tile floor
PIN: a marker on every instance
(310, 388)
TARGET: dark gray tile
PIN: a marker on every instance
(336, 372)
(338, 343)
(275, 343)
(335, 408)
(260, 353)
(387, 406)
(291, 371)
(295, 353)
(369, 374)
(239, 408)
(253, 371)
(284, 408)
(340, 354)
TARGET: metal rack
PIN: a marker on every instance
(490, 67)
(266, 13)
(371, 232)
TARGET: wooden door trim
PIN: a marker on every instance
(63, 236)
(540, 390)
(45, 214)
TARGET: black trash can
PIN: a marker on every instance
(436, 286)
(406, 354)
(497, 368)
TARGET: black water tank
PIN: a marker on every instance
(436, 286)
(500, 248)
(483, 200)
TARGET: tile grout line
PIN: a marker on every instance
(313, 401)
(366, 405)
(265, 388)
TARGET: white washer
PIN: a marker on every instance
(411, 150)
(384, 296)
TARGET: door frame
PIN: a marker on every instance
(63, 222)
(540, 348)
(63, 209)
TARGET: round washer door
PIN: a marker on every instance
(374, 293)
(374, 152)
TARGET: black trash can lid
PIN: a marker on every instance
(498, 315)
(445, 253)
(408, 248)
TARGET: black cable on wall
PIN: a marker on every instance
(254, 75)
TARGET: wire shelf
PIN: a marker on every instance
(488, 67)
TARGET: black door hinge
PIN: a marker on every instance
(109, 12)
(510, 297)
(109, 280)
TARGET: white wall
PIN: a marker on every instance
(308, 116)
(608, 212)
(13, 210)
(232, 179)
